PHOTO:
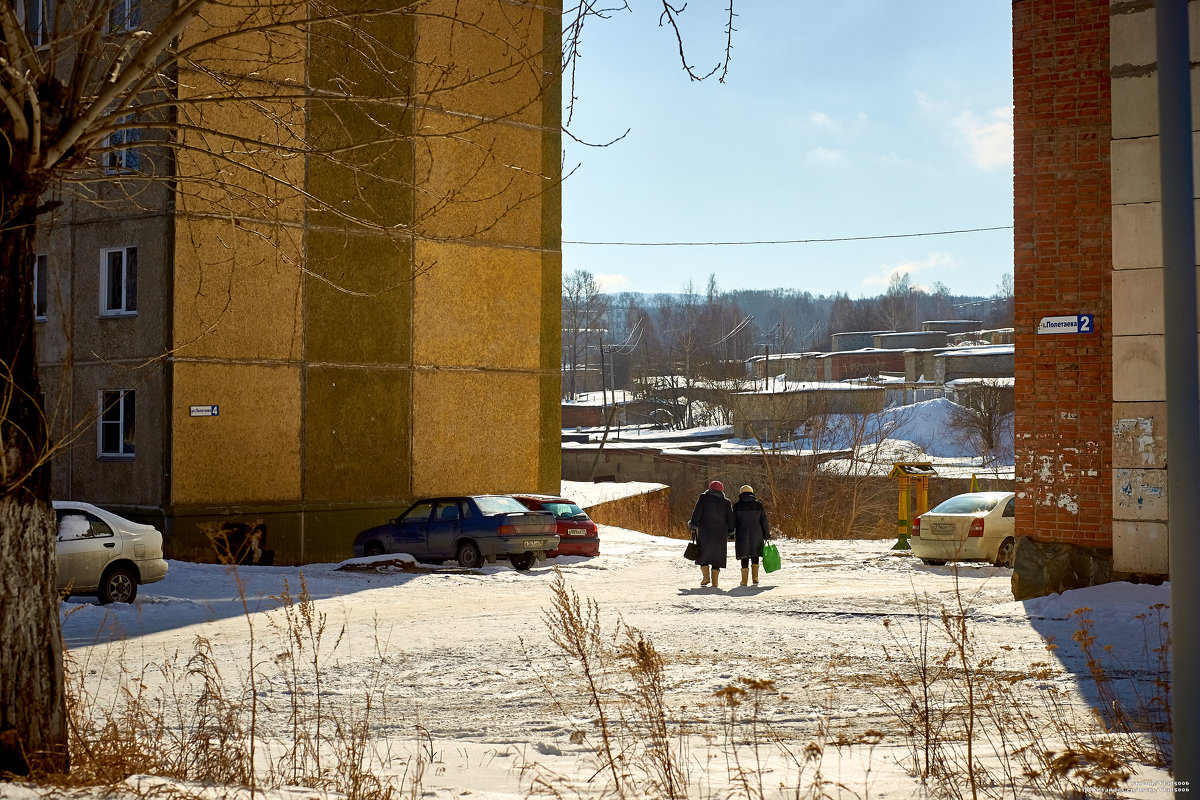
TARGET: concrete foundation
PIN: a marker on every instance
(1043, 568)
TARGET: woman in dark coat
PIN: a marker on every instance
(712, 522)
(752, 530)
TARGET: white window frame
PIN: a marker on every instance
(119, 414)
(125, 15)
(125, 308)
(120, 153)
(40, 298)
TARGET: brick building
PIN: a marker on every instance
(1090, 413)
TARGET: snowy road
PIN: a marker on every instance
(455, 651)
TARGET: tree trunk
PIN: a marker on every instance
(33, 734)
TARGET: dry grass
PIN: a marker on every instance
(198, 720)
(975, 727)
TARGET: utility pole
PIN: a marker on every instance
(1183, 387)
(603, 396)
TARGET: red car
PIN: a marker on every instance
(577, 533)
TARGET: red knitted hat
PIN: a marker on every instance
(717, 486)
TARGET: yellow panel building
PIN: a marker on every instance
(334, 307)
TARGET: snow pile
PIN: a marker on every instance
(925, 428)
(593, 494)
(74, 526)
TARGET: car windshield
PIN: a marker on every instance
(564, 510)
(497, 504)
(967, 504)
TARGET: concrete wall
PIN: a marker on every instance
(853, 340)
(921, 365)
(901, 341)
(774, 415)
(949, 366)
(1139, 421)
(688, 475)
(952, 325)
(797, 366)
(649, 513)
(862, 364)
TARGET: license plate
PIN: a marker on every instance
(942, 526)
(531, 544)
(576, 531)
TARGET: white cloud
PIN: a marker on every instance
(823, 120)
(883, 278)
(823, 155)
(611, 283)
(989, 140)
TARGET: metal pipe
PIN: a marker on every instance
(1183, 387)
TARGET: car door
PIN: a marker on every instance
(412, 529)
(444, 529)
(85, 545)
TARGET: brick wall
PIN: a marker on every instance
(1063, 266)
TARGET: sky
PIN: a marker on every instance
(852, 119)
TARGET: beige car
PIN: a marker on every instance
(102, 554)
(977, 526)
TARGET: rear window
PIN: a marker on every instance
(499, 505)
(564, 510)
(967, 504)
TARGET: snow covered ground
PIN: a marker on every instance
(451, 658)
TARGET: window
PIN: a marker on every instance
(73, 524)
(120, 153)
(39, 287)
(39, 21)
(116, 423)
(118, 282)
(125, 15)
(419, 513)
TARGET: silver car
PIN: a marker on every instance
(977, 526)
(103, 554)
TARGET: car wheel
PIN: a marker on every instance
(469, 556)
(373, 549)
(119, 585)
(522, 561)
(934, 562)
(1005, 555)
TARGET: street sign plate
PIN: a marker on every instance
(1075, 323)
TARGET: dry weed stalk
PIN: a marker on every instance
(188, 720)
(625, 684)
(959, 707)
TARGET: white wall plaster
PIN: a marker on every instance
(1069, 502)
(1139, 434)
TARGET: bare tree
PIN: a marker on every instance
(978, 419)
(584, 308)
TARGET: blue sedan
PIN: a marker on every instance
(470, 530)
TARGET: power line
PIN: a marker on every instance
(790, 241)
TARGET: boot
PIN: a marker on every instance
(704, 575)
(745, 573)
(715, 573)
(754, 568)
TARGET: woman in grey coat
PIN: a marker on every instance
(752, 531)
(712, 523)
